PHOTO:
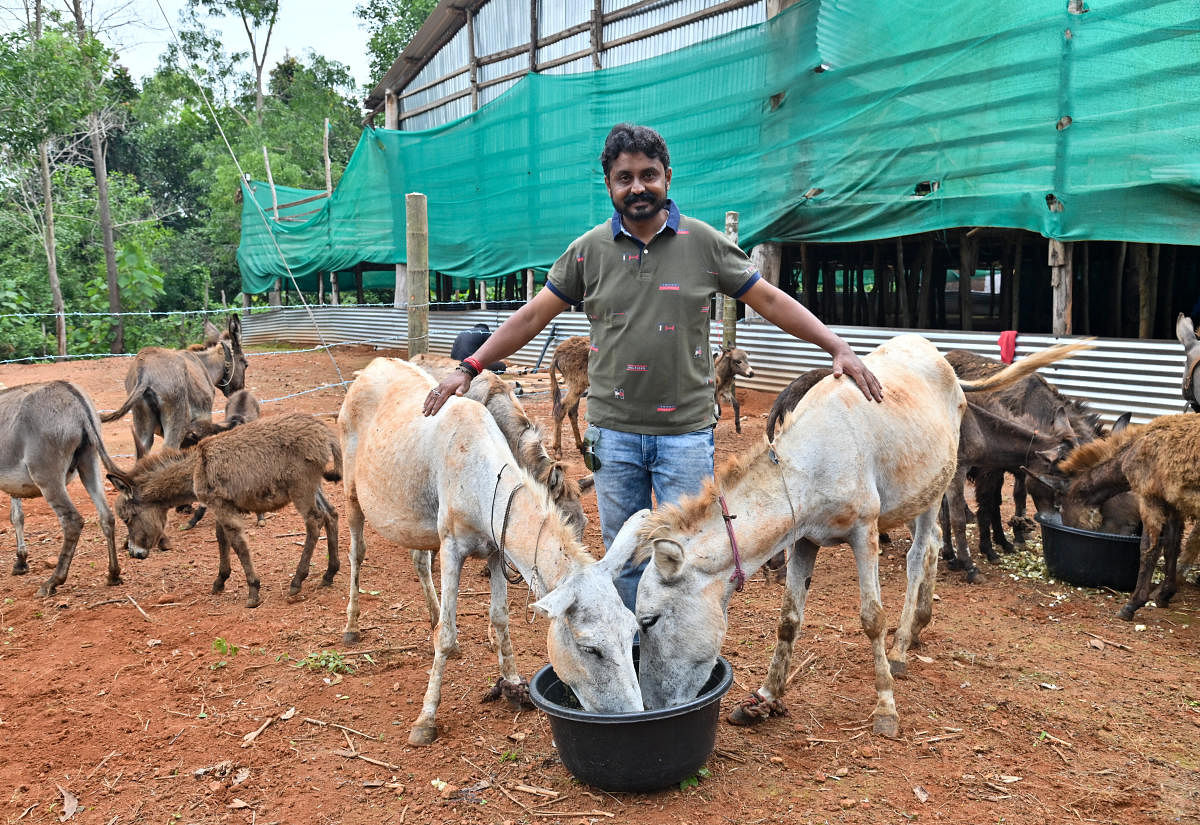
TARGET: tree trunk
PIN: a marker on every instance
(60, 317)
(1145, 282)
(1118, 293)
(100, 167)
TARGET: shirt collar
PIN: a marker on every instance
(618, 228)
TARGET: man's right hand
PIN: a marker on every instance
(455, 383)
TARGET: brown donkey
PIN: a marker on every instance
(571, 359)
(169, 389)
(256, 468)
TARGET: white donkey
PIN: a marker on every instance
(449, 483)
(841, 469)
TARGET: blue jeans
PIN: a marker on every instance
(631, 465)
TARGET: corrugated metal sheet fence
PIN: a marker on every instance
(1118, 375)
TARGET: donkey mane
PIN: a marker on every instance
(683, 516)
(165, 457)
(1094, 452)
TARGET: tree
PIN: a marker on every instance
(392, 24)
(45, 77)
(258, 20)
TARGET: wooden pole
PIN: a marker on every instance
(1085, 321)
(328, 166)
(271, 183)
(1119, 289)
(335, 297)
(968, 254)
(926, 292)
(728, 304)
(320, 288)
(905, 316)
(473, 59)
(391, 120)
(529, 285)
(417, 237)
(597, 31)
(1060, 255)
(809, 277)
(1018, 254)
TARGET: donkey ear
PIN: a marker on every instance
(235, 328)
(587, 483)
(1184, 331)
(120, 483)
(211, 334)
(1121, 423)
(624, 544)
(1057, 483)
(668, 558)
(557, 602)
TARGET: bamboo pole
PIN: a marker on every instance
(905, 314)
(271, 183)
(728, 304)
(417, 237)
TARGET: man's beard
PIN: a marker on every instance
(633, 206)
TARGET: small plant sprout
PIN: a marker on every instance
(694, 780)
(328, 660)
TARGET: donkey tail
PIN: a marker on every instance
(93, 430)
(335, 473)
(134, 396)
(1026, 366)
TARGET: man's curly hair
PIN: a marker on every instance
(626, 137)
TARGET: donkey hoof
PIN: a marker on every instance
(975, 576)
(46, 589)
(114, 579)
(899, 669)
(351, 637)
(20, 568)
(293, 591)
(953, 563)
(888, 726)
(252, 598)
(164, 543)
(218, 587)
(423, 735)
(1126, 613)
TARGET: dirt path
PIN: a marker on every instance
(136, 700)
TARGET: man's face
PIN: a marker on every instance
(638, 185)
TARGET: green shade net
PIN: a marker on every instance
(834, 121)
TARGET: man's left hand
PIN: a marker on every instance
(850, 364)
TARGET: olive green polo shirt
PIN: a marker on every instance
(650, 364)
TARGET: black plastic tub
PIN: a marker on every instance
(1088, 558)
(642, 751)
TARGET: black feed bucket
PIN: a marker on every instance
(1088, 558)
(640, 751)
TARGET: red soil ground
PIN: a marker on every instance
(1030, 701)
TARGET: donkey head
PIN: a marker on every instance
(233, 377)
(590, 639)
(739, 361)
(147, 523)
(682, 620)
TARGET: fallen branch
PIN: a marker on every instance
(1052, 738)
(573, 813)
(139, 608)
(352, 754)
(1107, 641)
(323, 724)
(249, 738)
(101, 764)
(536, 791)
(939, 738)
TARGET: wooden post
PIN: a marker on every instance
(768, 258)
(1146, 289)
(597, 31)
(391, 120)
(905, 316)
(1060, 255)
(320, 288)
(529, 285)
(334, 296)
(358, 286)
(968, 257)
(925, 294)
(1085, 321)
(1119, 289)
(728, 304)
(483, 286)
(328, 166)
(533, 35)
(473, 58)
(880, 274)
(417, 237)
(809, 277)
(1018, 254)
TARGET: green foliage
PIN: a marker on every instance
(224, 648)
(392, 25)
(331, 661)
(694, 780)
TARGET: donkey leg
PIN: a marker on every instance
(768, 700)
(93, 483)
(1172, 538)
(865, 543)
(329, 517)
(918, 594)
(958, 523)
(573, 414)
(424, 730)
(55, 491)
(313, 522)
(510, 684)
(222, 561)
(16, 514)
(423, 563)
(358, 550)
(737, 412)
(1151, 547)
(232, 522)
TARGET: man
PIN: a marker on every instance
(646, 279)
